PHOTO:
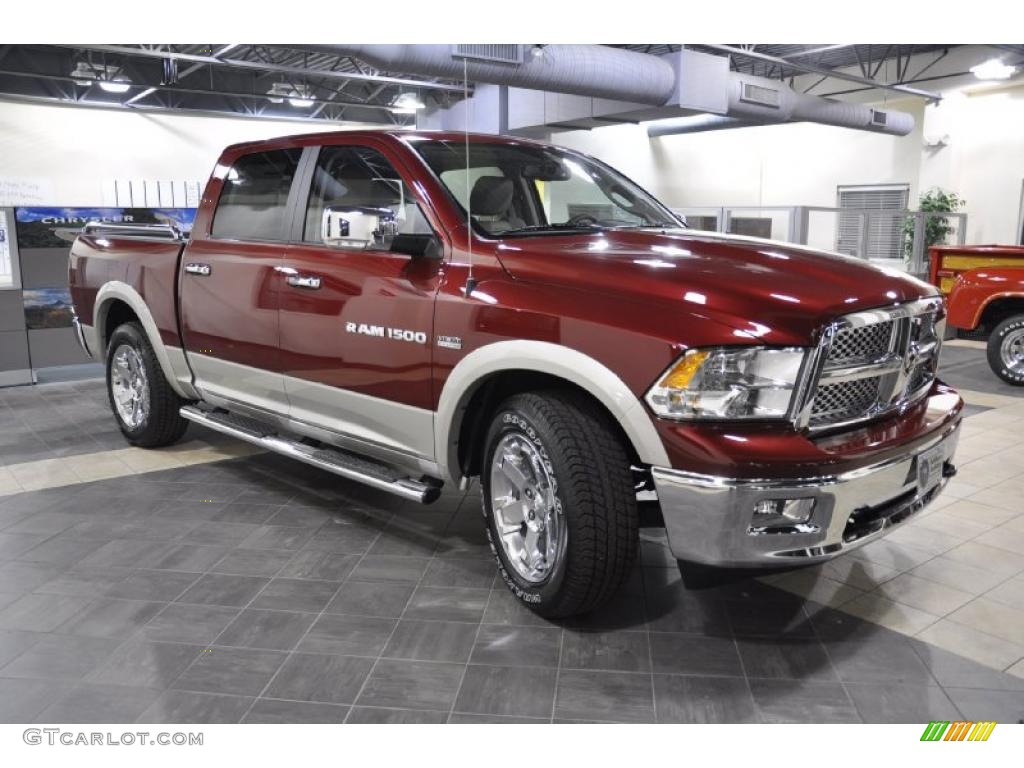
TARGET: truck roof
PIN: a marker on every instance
(393, 133)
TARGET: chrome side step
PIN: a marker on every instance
(350, 466)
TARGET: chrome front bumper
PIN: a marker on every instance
(710, 519)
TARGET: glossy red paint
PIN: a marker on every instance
(771, 451)
(977, 289)
(947, 262)
(147, 267)
(631, 300)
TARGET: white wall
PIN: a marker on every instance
(798, 164)
(802, 164)
(76, 149)
(983, 160)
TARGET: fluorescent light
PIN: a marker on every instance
(993, 69)
(118, 85)
(407, 104)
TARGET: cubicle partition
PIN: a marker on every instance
(37, 342)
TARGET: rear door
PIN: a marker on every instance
(357, 318)
(230, 283)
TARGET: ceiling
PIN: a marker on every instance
(236, 79)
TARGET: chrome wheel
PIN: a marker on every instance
(1012, 351)
(527, 512)
(129, 386)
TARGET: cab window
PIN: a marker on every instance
(349, 182)
(253, 203)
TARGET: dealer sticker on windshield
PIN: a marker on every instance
(929, 468)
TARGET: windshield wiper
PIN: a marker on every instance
(654, 225)
(552, 228)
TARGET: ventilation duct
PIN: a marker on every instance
(760, 101)
(617, 74)
(584, 70)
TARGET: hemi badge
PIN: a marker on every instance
(449, 342)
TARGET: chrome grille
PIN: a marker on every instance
(845, 400)
(869, 342)
(874, 362)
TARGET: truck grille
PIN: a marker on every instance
(866, 343)
(874, 363)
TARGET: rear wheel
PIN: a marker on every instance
(145, 406)
(1006, 350)
(559, 502)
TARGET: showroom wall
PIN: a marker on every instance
(983, 158)
(803, 164)
(71, 151)
(797, 164)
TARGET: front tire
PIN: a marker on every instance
(1006, 350)
(559, 502)
(145, 406)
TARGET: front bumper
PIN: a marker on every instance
(710, 519)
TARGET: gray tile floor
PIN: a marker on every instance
(259, 590)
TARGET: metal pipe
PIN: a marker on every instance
(260, 66)
(696, 124)
(585, 70)
(930, 95)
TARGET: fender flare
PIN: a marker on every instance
(542, 357)
(115, 290)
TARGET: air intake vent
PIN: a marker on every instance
(878, 117)
(758, 94)
(503, 54)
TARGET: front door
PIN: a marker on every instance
(356, 314)
(230, 284)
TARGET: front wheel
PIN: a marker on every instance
(1006, 350)
(145, 406)
(559, 502)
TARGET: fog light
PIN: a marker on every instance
(778, 512)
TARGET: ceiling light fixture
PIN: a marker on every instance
(407, 104)
(83, 73)
(117, 85)
(993, 69)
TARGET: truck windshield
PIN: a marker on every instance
(521, 189)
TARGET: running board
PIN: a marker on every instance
(350, 466)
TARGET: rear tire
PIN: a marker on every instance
(557, 483)
(1006, 350)
(144, 405)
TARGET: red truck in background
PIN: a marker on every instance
(411, 310)
(984, 285)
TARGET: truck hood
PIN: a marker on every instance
(776, 292)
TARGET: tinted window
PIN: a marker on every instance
(522, 188)
(359, 177)
(255, 195)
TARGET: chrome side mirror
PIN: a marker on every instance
(358, 227)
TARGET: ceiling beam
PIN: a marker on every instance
(905, 89)
(149, 89)
(124, 50)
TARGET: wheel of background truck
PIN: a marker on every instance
(145, 406)
(559, 502)
(1006, 350)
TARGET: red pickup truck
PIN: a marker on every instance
(985, 289)
(413, 309)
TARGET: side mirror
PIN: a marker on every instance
(417, 246)
(358, 227)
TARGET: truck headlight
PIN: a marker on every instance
(729, 383)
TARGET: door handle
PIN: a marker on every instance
(203, 270)
(309, 281)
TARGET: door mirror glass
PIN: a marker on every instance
(358, 201)
(358, 227)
